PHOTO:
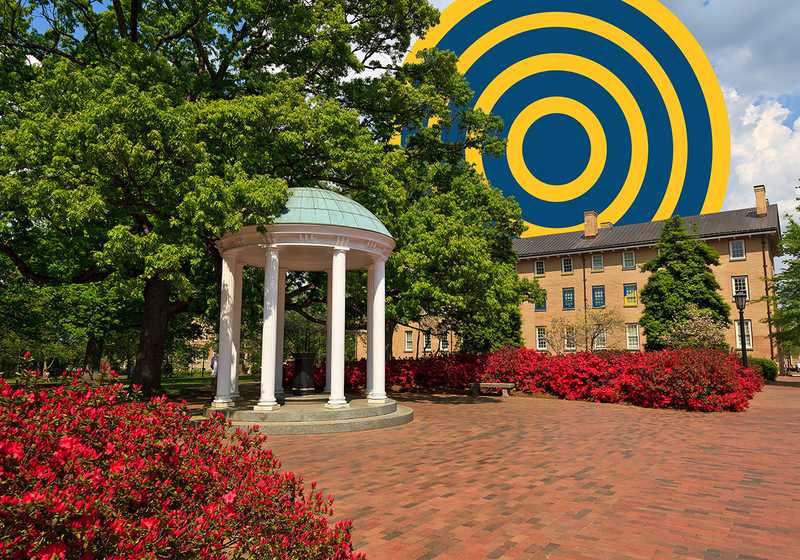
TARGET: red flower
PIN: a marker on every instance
(229, 498)
(93, 473)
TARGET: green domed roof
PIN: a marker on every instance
(327, 208)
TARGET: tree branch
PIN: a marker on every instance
(135, 7)
(178, 307)
(86, 277)
(120, 13)
(303, 313)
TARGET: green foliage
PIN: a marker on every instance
(768, 368)
(787, 290)
(149, 130)
(56, 323)
(681, 279)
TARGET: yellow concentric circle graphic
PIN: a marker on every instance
(597, 139)
(628, 71)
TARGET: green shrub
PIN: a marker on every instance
(768, 368)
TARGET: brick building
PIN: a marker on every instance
(599, 268)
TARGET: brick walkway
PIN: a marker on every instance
(539, 478)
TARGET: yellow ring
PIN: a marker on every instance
(715, 101)
(615, 87)
(597, 140)
(698, 61)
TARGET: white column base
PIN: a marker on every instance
(377, 399)
(337, 405)
(222, 404)
(266, 407)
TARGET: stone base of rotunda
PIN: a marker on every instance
(308, 415)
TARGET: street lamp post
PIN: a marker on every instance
(741, 301)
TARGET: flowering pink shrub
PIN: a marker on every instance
(94, 473)
(690, 379)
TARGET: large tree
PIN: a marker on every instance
(681, 281)
(134, 133)
(787, 290)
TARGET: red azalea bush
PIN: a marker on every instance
(690, 379)
(95, 473)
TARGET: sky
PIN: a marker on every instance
(754, 46)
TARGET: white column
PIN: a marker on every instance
(377, 327)
(370, 343)
(236, 335)
(339, 273)
(328, 320)
(223, 398)
(279, 344)
(269, 333)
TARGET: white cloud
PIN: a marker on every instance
(765, 150)
(752, 44)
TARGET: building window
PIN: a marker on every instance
(630, 295)
(600, 340)
(568, 297)
(632, 332)
(537, 306)
(541, 338)
(598, 296)
(444, 342)
(409, 341)
(737, 250)
(628, 260)
(566, 265)
(597, 263)
(427, 342)
(570, 340)
(740, 284)
(538, 268)
(748, 334)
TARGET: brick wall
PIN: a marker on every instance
(613, 277)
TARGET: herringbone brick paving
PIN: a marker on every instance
(540, 478)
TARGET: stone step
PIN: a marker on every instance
(402, 415)
(313, 397)
(313, 412)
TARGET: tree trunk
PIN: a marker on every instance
(94, 351)
(152, 338)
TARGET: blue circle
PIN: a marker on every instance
(556, 149)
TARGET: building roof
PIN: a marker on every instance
(327, 208)
(722, 224)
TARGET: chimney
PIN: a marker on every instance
(590, 224)
(761, 200)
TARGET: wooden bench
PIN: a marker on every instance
(504, 387)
